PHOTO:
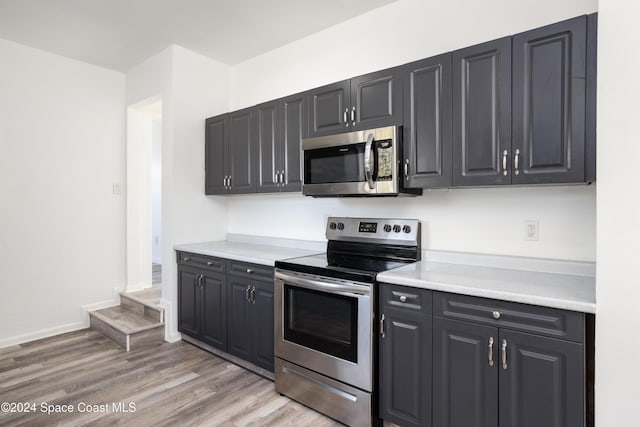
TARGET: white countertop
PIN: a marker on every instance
(257, 250)
(567, 285)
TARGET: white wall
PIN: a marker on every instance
(156, 191)
(61, 228)
(618, 276)
(191, 87)
(488, 220)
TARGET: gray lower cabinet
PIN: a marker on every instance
(405, 355)
(227, 305)
(506, 364)
(202, 304)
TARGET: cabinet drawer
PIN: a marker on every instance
(248, 270)
(551, 322)
(201, 261)
(406, 297)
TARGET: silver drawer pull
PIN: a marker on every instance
(209, 262)
(496, 315)
(403, 298)
(185, 259)
(249, 271)
(382, 326)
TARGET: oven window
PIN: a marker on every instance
(344, 163)
(322, 321)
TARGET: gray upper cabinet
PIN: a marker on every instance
(242, 152)
(329, 109)
(549, 83)
(482, 113)
(281, 125)
(427, 123)
(215, 150)
(365, 102)
(230, 153)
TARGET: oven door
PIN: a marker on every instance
(325, 325)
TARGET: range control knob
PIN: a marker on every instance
(396, 228)
(340, 226)
(406, 229)
(387, 228)
(332, 225)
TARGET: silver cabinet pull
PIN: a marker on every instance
(187, 258)
(504, 354)
(229, 182)
(200, 281)
(281, 177)
(345, 117)
(496, 314)
(504, 162)
(246, 293)
(353, 116)
(253, 295)
(406, 169)
(490, 351)
(382, 326)
(249, 271)
(276, 177)
(403, 298)
(209, 262)
(516, 162)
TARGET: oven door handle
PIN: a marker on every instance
(368, 170)
(325, 285)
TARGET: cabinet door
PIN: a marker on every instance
(269, 146)
(465, 383)
(376, 99)
(329, 109)
(188, 301)
(242, 165)
(427, 122)
(405, 368)
(213, 320)
(549, 69)
(215, 154)
(482, 114)
(238, 317)
(263, 324)
(294, 128)
(543, 383)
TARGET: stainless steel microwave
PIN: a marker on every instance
(363, 163)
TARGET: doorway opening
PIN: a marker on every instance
(144, 190)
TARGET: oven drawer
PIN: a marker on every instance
(249, 270)
(539, 320)
(201, 261)
(406, 297)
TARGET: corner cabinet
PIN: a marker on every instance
(503, 364)
(227, 305)
(281, 125)
(405, 355)
(427, 123)
(365, 102)
(230, 153)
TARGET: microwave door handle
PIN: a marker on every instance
(367, 161)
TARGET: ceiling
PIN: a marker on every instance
(119, 34)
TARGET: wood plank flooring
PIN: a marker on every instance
(165, 385)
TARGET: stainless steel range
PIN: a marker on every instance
(324, 313)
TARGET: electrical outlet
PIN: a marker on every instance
(531, 230)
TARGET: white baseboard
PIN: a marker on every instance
(99, 306)
(42, 333)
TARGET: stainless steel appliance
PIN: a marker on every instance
(363, 163)
(324, 310)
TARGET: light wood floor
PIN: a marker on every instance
(169, 384)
